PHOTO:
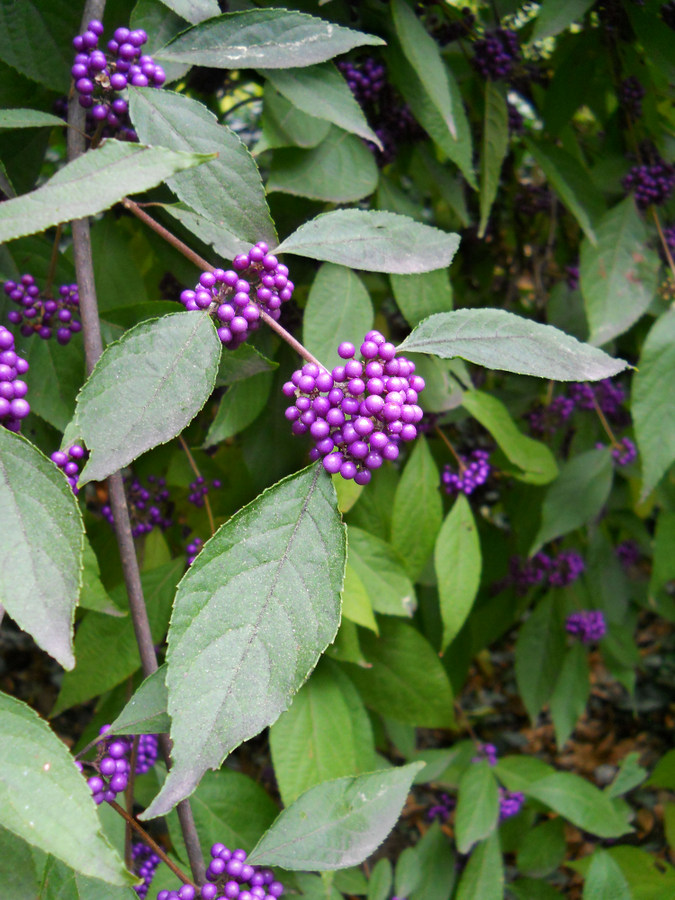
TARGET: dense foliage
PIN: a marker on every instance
(336, 467)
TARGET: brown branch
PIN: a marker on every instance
(195, 469)
(154, 846)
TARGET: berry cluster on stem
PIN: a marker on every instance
(230, 877)
(13, 404)
(510, 803)
(496, 55)
(473, 472)
(113, 766)
(199, 489)
(652, 183)
(40, 314)
(588, 625)
(560, 570)
(69, 462)
(631, 94)
(149, 506)
(360, 412)
(145, 862)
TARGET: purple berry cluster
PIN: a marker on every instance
(99, 77)
(199, 489)
(572, 277)
(360, 412)
(669, 237)
(193, 549)
(566, 568)
(588, 625)
(487, 752)
(631, 94)
(442, 809)
(229, 298)
(454, 31)
(148, 506)
(652, 183)
(230, 877)
(510, 803)
(69, 462)
(145, 862)
(496, 54)
(146, 753)
(13, 404)
(366, 81)
(113, 767)
(474, 471)
(628, 553)
(40, 315)
(623, 453)
(548, 419)
(668, 13)
(556, 571)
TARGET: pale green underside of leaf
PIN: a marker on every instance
(28, 118)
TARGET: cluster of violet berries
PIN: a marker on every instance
(145, 862)
(652, 183)
(234, 298)
(229, 877)
(588, 625)
(358, 413)
(148, 506)
(474, 471)
(496, 54)
(39, 315)
(557, 571)
(442, 809)
(193, 549)
(69, 461)
(631, 94)
(628, 553)
(113, 765)
(549, 418)
(624, 452)
(13, 404)
(199, 489)
(366, 81)
(99, 77)
(510, 803)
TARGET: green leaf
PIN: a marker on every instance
(557, 15)
(382, 572)
(44, 798)
(242, 363)
(484, 874)
(17, 868)
(605, 880)
(570, 180)
(419, 296)
(41, 523)
(576, 496)
(356, 603)
(322, 92)
(619, 275)
(59, 882)
(570, 694)
(194, 11)
(242, 404)
(477, 805)
(325, 734)
(519, 772)
(408, 872)
(90, 184)
(534, 458)
(495, 145)
(531, 889)
(93, 595)
(145, 389)
(663, 560)
(540, 650)
(664, 772)
(581, 803)
(498, 339)
(28, 118)
(423, 54)
(35, 38)
(258, 606)
(407, 682)
(338, 309)
(458, 563)
(381, 880)
(224, 242)
(263, 38)
(229, 191)
(145, 713)
(340, 170)
(652, 406)
(418, 510)
(542, 849)
(629, 776)
(374, 241)
(437, 863)
(338, 823)
(284, 125)
(55, 376)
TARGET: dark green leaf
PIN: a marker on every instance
(340, 170)
(44, 798)
(581, 803)
(458, 563)
(322, 92)
(619, 275)
(557, 15)
(419, 296)
(484, 874)
(93, 595)
(229, 192)
(605, 880)
(381, 880)
(540, 650)
(437, 862)
(408, 872)
(41, 523)
(194, 11)
(443, 381)
(145, 389)
(325, 734)
(542, 849)
(629, 776)
(258, 606)
(653, 410)
(495, 145)
(338, 309)
(664, 772)
(374, 241)
(283, 125)
(663, 560)
(477, 806)
(423, 54)
(17, 868)
(533, 457)
(519, 772)
(28, 118)
(264, 38)
(338, 823)
(531, 889)
(418, 510)
(498, 339)
(35, 38)
(382, 572)
(55, 376)
(571, 692)
(576, 496)
(224, 242)
(59, 882)
(407, 681)
(145, 713)
(356, 602)
(242, 363)
(92, 183)
(242, 404)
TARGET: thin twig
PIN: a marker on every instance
(195, 469)
(460, 461)
(606, 425)
(154, 846)
(664, 242)
(236, 106)
(296, 345)
(52, 261)
(167, 235)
